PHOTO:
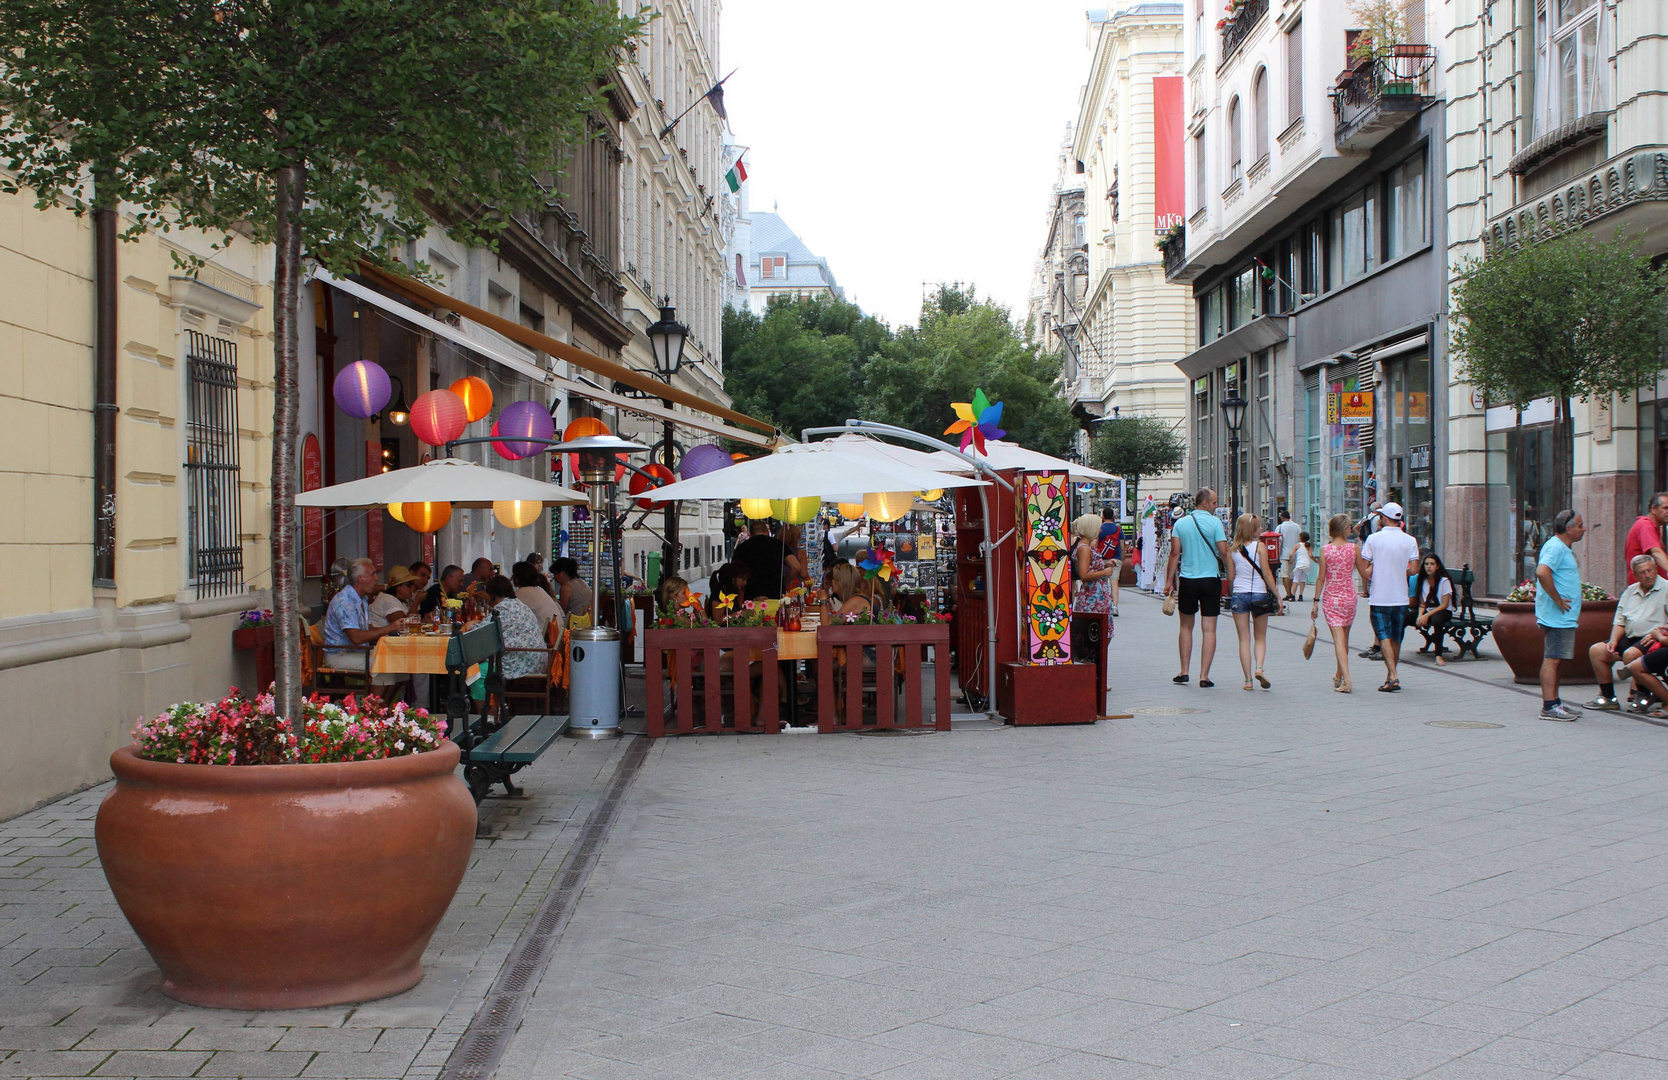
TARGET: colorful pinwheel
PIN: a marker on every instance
(976, 421)
(726, 601)
(876, 562)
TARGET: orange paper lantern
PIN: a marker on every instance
(584, 428)
(426, 517)
(476, 395)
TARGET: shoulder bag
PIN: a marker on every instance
(1269, 603)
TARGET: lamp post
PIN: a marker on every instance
(666, 338)
(1233, 410)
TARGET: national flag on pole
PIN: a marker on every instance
(716, 96)
(737, 173)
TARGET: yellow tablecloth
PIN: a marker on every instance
(412, 654)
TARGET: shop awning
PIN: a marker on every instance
(538, 374)
(538, 342)
(1258, 334)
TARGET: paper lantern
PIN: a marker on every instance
(426, 517)
(799, 511)
(394, 512)
(584, 428)
(933, 495)
(362, 389)
(525, 420)
(476, 395)
(640, 483)
(703, 459)
(888, 505)
(852, 511)
(756, 508)
(503, 451)
(779, 509)
(438, 417)
(517, 513)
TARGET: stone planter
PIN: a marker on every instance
(286, 886)
(1519, 639)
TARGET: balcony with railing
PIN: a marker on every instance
(1237, 27)
(1378, 96)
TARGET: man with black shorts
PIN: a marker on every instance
(1198, 563)
(1642, 608)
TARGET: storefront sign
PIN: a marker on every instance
(1332, 408)
(1355, 407)
(312, 519)
(1201, 385)
(1419, 457)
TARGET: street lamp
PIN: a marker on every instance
(666, 338)
(399, 414)
(1233, 410)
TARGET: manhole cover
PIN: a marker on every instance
(894, 731)
(1166, 710)
(1469, 724)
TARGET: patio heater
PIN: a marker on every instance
(597, 675)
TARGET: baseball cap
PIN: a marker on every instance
(1391, 510)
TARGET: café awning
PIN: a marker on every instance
(1005, 456)
(539, 375)
(820, 469)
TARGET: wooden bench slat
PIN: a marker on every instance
(493, 746)
(536, 741)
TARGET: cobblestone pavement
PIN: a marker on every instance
(79, 996)
(1289, 883)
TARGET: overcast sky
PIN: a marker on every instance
(907, 141)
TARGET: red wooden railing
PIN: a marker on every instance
(846, 682)
(706, 699)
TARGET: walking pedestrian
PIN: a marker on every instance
(1558, 607)
(1335, 594)
(1198, 562)
(1387, 560)
(1305, 563)
(1289, 531)
(1254, 597)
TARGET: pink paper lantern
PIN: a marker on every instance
(525, 420)
(503, 451)
(438, 417)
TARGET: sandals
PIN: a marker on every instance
(1262, 680)
(1390, 686)
(1344, 688)
(1248, 686)
(1337, 681)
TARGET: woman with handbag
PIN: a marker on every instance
(1254, 597)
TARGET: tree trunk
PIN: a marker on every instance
(286, 394)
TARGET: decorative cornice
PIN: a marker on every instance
(1619, 183)
(1584, 130)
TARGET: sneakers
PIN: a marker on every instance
(1561, 712)
(1603, 704)
(1373, 653)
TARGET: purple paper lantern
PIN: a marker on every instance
(362, 389)
(703, 459)
(525, 420)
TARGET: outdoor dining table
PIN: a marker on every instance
(413, 654)
(792, 646)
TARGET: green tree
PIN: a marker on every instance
(332, 130)
(1136, 447)
(801, 364)
(1569, 317)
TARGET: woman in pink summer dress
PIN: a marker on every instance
(1335, 594)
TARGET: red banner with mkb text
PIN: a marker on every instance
(1169, 170)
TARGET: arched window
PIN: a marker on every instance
(1235, 141)
(1259, 115)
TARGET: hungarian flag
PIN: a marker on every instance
(737, 173)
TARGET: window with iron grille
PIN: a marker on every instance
(211, 466)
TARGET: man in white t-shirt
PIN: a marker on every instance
(1387, 560)
(1289, 531)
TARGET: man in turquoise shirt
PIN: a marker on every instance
(1199, 551)
(1558, 607)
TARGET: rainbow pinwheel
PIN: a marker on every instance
(976, 421)
(876, 562)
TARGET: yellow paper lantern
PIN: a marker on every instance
(756, 508)
(932, 496)
(850, 510)
(426, 517)
(799, 511)
(516, 513)
(779, 509)
(888, 505)
(476, 395)
(394, 512)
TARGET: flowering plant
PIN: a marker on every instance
(240, 731)
(752, 613)
(248, 620)
(1526, 591)
(683, 618)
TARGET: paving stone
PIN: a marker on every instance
(255, 1063)
(153, 1063)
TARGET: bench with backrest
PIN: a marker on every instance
(496, 745)
(1466, 627)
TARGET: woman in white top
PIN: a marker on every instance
(1254, 597)
(1433, 596)
(531, 590)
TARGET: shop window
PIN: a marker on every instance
(1212, 315)
(1315, 510)
(1406, 209)
(212, 469)
(1204, 475)
(1352, 226)
(1571, 47)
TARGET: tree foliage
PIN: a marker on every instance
(1136, 447)
(810, 363)
(1573, 316)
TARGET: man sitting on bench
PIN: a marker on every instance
(1643, 608)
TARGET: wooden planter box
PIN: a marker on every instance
(258, 639)
(711, 669)
(891, 673)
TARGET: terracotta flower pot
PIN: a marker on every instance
(1519, 638)
(286, 886)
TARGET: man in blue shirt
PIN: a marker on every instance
(347, 624)
(1558, 607)
(1198, 563)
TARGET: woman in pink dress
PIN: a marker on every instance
(1335, 594)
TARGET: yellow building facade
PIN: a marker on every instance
(80, 660)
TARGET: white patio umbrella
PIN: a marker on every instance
(464, 484)
(825, 470)
(1003, 456)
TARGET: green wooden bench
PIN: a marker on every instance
(494, 745)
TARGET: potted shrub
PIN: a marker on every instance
(267, 865)
(1519, 637)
